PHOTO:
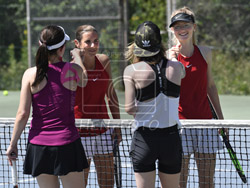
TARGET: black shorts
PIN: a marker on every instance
(55, 160)
(149, 145)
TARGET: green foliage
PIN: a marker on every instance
(231, 76)
(12, 35)
(147, 10)
(221, 24)
(12, 25)
(110, 47)
(11, 75)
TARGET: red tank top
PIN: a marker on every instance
(90, 100)
(193, 95)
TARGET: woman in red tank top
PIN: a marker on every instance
(196, 87)
(90, 104)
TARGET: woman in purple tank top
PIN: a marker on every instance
(54, 147)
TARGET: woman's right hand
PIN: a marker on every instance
(174, 52)
(12, 154)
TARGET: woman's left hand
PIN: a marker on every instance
(76, 53)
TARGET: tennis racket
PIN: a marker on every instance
(117, 164)
(14, 174)
(230, 150)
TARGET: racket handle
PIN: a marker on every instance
(14, 174)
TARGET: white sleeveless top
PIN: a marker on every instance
(160, 112)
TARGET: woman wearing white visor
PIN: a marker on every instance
(54, 147)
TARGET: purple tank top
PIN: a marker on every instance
(53, 122)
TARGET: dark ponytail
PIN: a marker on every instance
(41, 64)
(50, 35)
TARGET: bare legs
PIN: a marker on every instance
(147, 180)
(48, 181)
(72, 179)
(169, 180)
(105, 170)
(206, 169)
(184, 171)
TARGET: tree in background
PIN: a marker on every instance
(222, 24)
(13, 45)
(147, 10)
(12, 26)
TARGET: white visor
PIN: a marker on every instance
(58, 45)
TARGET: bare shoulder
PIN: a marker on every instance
(29, 76)
(104, 59)
(205, 49)
(139, 67)
(177, 67)
(129, 70)
(206, 52)
(30, 72)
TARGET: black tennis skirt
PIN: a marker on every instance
(55, 160)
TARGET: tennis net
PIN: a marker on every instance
(225, 172)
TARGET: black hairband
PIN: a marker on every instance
(182, 17)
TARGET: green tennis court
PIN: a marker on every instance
(234, 107)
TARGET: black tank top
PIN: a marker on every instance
(160, 85)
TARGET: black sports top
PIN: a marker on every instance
(160, 85)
